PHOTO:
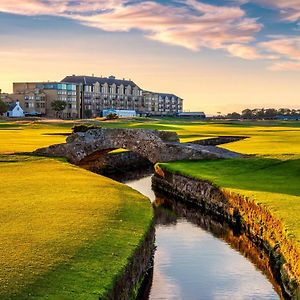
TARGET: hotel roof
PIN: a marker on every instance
(90, 80)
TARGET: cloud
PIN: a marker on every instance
(285, 66)
(244, 51)
(286, 52)
(192, 24)
(284, 47)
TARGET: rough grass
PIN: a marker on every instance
(65, 233)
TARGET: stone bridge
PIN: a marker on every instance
(156, 146)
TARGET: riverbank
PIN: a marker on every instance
(65, 232)
(255, 212)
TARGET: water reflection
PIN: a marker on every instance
(198, 257)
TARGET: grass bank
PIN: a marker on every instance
(270, 178)
(271, 182)
(65, 233)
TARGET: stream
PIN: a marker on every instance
(200, 258)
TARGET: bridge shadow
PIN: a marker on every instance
(117, 165)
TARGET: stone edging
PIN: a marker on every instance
(261, 227)
(127, 285)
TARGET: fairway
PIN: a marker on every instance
(68, 233)
(65, 233)
(28, 136)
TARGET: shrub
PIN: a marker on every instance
(112, 116)
(84, 127)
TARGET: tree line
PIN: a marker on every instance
(264, 113)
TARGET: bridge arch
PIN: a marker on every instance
(156, 146)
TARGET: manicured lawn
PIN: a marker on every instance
(271, 182)
(271, 177)
(65, 233)
(28, 136)
(266, 137)
(62, 239)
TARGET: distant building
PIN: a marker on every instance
(15, 110)
(36, 97)
(119, 112)
(101, 93)
(89, 96)
(161, 104)
(192, 115)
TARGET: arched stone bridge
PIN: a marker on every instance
(156, 146)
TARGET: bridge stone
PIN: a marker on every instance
(156, 146)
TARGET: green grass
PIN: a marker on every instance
(79, 257)
(268, 138)
(28, 136)
(271, 177)
(271, 182)
(65, 233)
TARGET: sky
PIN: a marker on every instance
(218, 55)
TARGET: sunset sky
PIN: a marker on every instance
(217, 55)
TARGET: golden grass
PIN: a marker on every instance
(26, 137)
(65, 232)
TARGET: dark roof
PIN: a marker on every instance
(163, 94)
(11, 106)
(90, 80)
(167, 95)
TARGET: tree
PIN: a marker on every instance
(247, 113)
(3, 107)
(270, 113)
(260, 113)
(233, 115)
(88, 113)
(112, 116)
(58, 106)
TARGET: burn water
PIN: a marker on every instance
(198, 257)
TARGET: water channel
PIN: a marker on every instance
(199, 258)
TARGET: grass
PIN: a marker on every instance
(28, 136)
(65, 233)
(271, 177)
(268, 138)
(271, 182)
(91, 249)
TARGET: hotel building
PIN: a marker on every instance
(89, 96)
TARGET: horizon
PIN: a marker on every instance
(219, 56)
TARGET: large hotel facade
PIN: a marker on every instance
(89, 96)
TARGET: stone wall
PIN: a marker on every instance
(260, 226)
(127, 286)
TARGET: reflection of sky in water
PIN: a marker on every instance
(143, 185)
(192, 264)
(199, 266)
